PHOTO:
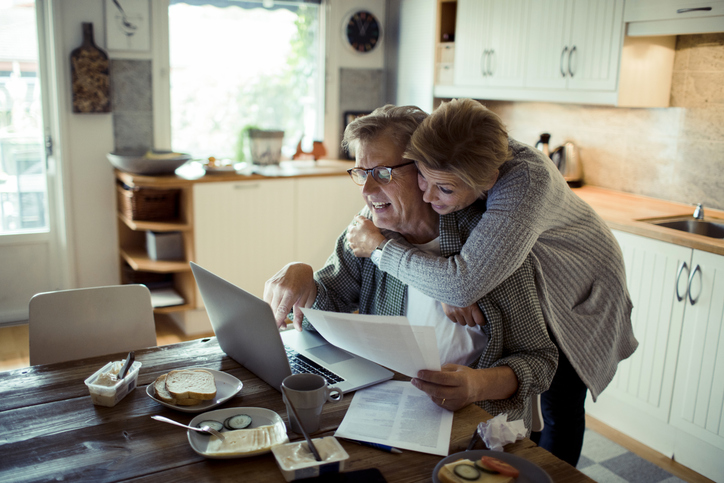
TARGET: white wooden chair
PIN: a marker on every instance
(75, 324)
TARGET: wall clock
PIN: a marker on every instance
(362, 31)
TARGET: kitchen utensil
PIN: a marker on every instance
(312, 448)
(90, 73)
(473, 440)
(543, 142)
(567, 161)
(202, 429)
(129, 362)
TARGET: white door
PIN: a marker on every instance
(31, 222)
(548, 44)
(507, 43)
(472, 42)
(699, 393)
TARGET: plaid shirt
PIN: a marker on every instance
(517, 334)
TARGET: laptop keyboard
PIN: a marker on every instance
(301, 364)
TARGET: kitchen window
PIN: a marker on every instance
(237, 64)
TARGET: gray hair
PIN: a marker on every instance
(396, 122)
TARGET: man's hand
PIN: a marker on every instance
(470, 316)
(292, 287)
(457, 386)
(363, 236)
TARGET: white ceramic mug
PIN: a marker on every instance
(308, 393)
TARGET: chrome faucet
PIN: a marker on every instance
(699, 212)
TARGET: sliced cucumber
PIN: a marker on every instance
(479, 464)
(212, 424)
(239, 421)
(467, 472)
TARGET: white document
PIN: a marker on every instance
(398, 414)
(389, 341)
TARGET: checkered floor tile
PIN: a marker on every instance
(606, 462)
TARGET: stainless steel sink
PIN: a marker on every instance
(697, 227)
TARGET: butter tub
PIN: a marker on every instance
(104, 395)
(296, 461)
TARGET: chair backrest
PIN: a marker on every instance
(75, 324)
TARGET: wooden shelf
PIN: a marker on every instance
(136, 225)
(173, 308)
(139, 260)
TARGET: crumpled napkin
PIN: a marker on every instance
(498, 431)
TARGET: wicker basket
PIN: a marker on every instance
(148, 204)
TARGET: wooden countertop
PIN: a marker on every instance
(624, 212)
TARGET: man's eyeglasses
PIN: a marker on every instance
(382, 174)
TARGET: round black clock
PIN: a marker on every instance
(362, 31)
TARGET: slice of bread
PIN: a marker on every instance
(447, 474)
(191, 384)
(162, 393)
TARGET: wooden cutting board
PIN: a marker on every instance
(90, 75)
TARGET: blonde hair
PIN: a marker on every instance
(396, 122)
(464, 138)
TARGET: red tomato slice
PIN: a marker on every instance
(500, 466)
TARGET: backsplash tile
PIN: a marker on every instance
(674, 153)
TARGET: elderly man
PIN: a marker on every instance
(498, 366)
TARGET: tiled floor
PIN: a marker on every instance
(607, 462)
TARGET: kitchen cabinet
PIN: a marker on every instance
(490, 42)
(574, 44)
(670, 392)
(673, 17)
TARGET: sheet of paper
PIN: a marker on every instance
(398, 414)
(389, 341)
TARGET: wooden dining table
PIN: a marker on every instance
(51, 431)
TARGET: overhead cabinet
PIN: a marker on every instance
(556, 51)
(673, 17)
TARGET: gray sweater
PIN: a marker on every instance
(580, 279)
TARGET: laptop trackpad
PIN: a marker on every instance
(329, 354)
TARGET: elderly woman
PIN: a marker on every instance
(463, 154)
(498, 366)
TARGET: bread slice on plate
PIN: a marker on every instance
(191, 384)
(162, 393)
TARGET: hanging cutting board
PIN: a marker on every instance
(89, 66)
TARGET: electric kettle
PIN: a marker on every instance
(568, 162)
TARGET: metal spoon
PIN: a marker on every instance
(202, 429)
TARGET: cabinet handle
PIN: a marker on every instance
(688, 288)
(694, 9)
(483, 62)
(563, 54)
(570, 56)
(491, 58)
(678, 277)
(246, 186)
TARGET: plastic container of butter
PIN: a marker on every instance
(109, 395)
(296, 461)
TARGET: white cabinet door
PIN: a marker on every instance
(326, 205)
(653, 270)
(471, 42)
(244, 231)
(699, 393)
(595, 44)
(575, 44)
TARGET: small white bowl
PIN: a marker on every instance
(110, 395)
(296, 461)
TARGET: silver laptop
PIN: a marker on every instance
(246, 330)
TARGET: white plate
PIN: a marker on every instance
(259, 417)
(529, 472)
(227, 386)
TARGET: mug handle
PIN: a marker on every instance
(334, 394)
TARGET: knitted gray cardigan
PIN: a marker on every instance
(581, 278)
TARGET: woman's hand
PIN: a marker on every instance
(292, 287)
(470, 316)
(456, 386)
(363, 237)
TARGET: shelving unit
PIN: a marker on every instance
(445, 42)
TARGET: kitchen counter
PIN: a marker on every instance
(624, 212)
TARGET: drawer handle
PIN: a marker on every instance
(563, 54)
(570, 56)
(694, 9)
(246, 186)
(678, 277)
(688, 289)
(491, 63)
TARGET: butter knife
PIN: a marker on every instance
(129, 362)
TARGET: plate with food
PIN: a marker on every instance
(193, 390)
(484, 466)
(247, 432)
